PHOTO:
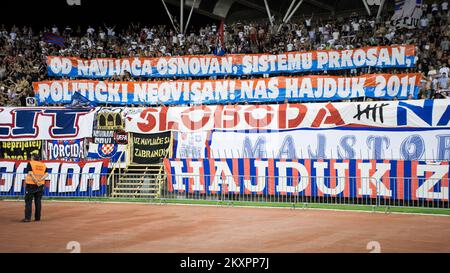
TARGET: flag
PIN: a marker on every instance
(79, 100)
(219, 51)
(221, 34)
(54, 39)
(220, 45)
(115, 153)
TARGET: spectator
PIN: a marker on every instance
(443, 81)
(444, 7)
(424, 22)
(23, 52)
(434, 8)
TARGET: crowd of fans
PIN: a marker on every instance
(23, 50)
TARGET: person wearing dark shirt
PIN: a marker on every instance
(35, 185)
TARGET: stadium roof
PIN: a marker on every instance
(233, 10)
(153, 12)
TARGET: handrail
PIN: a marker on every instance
(114, 168)
(161, 181)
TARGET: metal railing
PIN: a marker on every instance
(424, 192)
(389, 192)
(59, 185)
(113, 175)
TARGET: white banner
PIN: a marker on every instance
(116, 153)
(410, 113)
(67, 150)
(407, 13)
(191, 145)
(45, 123)
(343, 143)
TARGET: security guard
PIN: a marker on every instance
(35, 185)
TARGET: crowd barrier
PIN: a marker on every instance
(363, 191)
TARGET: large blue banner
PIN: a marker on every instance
(84, 178)
(275, 89)
(45, 123)
(388, 179)
(235, 64)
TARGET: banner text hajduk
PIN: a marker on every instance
(392, 179)
(248, 64)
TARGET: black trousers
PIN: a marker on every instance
(36, 193)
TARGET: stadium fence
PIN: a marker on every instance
(96, 186)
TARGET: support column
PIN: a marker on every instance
(293, 12)
(170, 16)
(181, 15)
(189, 17)
(380, 9)
(288, 11)
(367, 7)
(288, 15)
(268, 12)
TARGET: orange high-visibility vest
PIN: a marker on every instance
(38, 169)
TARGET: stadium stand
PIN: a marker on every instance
(339, 107)
(23, 50)
(148, 151)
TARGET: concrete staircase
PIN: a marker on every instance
(140, 181)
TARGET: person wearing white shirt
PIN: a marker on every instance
(321, 29)
(445, 44)
(102, 35)
(149, 35)
(346, 29)
(355, 26)
(444, 69)
(180, 37)
(424, 22)
(444, 6)
(443, 81)
(434, 8)
(13, 35)
(110, 31)
(90, 30)
(174, 40)
(336, 35)
(308, 22)
(312, 35)
(390, 35)
(432, 72)
(55, 29)
(290, 47)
